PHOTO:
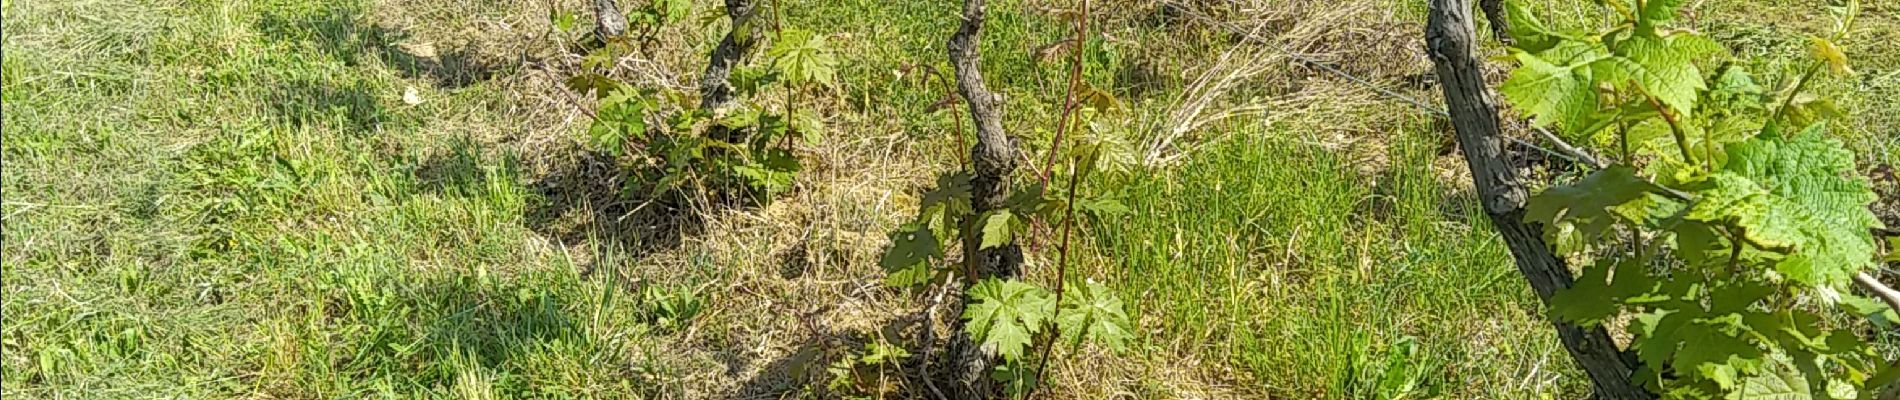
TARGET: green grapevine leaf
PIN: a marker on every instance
(1095, 313)
(1087, 155)
(749, 80)
(774, 173)
(1781, 382)
(1006, 314)
(1873, 310)
(803, 57)
(1663, 67)
(914, 275)
(1813, 170)
(1632, 280)
(808, 125)
(770, 126)
(1587, 203)
(1551, 94)
(1529, 32)
(1587, 301)
(907, 261)
(1651, 210)
(670, 11)
(1736, 91)
(1812, 204)
(740, 118)
(1830, 55)
(1655, 11)
(622, 116)
(1657, 334)
(600, 85)
(952, 188)
(997, 231)
(1098, 99)
(1714, 354)
(1736, 296)
(1763, 220)
(1036, 201)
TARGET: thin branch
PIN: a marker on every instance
(1682, 140)
(1881, 290)
(1075, 175)
(949, 101)
(1062, 276)
(1075, 80)
(1576, 154)
(1798, 87)
(572, 99)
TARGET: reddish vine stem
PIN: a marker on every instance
(956, 120)
(1080, 43)
(1062, 277)
(791, 92)
(1075, 176)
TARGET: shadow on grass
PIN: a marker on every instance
(343, 33)
(572, 196)
(810, 369)
(459, 170)
(584, 199)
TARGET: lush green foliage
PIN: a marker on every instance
(859, 374)
(1008, 314)
(740, 148)
(1725, 240)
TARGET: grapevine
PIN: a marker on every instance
(739, 149)
(1007, 316)
(1727, 232)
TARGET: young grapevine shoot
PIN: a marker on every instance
(742, 148)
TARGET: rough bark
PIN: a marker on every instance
(994, 156)
(1494, 11)
(715, 87)
(611, 22)
(1450, 40)
(992, 160)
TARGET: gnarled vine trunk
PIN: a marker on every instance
(715, 87)
(1500, 27)
(1449, 40)
(611, 23)
(992, 160)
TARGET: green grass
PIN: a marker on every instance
(1280, 258)
(197, 215)
(232, 200)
